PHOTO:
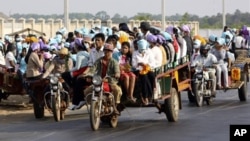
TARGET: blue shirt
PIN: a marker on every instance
(22, 65)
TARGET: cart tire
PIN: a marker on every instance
(38, 110)
(172, 106)
(198, 98)
(191, 96)
(94, 115)
(242, 92)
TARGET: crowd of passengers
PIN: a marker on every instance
(123, 54)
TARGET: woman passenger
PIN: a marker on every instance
(220, 53)
(10, 60)
(144, 61)
(124, 58)
(82, 58)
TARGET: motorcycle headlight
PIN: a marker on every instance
(97, 80)
(53, 80)
(97, 89)
(199, 76)
(57, 74)
(198, 69)
(54, 87)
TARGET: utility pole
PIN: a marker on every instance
(163, 15)
(223, 13)
(66, 13)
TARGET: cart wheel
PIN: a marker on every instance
(172, 106)
(242, 92)
(38, 109)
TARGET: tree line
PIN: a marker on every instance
(237, 19)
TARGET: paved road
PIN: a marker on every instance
(208, 123)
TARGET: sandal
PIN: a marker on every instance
(145, 102)
(132, 99)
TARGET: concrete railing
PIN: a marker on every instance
(50, 26)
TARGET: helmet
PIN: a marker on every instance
(204, 47)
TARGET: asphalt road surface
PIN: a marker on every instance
(207, 123)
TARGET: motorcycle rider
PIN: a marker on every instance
(209, 62)
(60, 63)
(107, 66)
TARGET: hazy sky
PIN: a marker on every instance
(123, 7)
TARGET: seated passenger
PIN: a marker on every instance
(239, 41)
(169, 46)
(124, 58)
(60, 64)
(81, 82)
(197, 44)
(222, 58)
(10, 60)
(156, 51)
(143, 61)
(160, 42)
(82, 58)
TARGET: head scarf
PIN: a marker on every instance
(142, 45)
(152, 38)
(35, 46)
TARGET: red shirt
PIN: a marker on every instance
(104, 67)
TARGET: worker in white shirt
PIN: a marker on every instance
(144, 62)
(152, 39)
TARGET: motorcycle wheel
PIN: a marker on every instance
(113, 121)
(198, 96)
(94, 115)
(55, 108)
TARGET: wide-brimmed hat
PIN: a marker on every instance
(64, 51)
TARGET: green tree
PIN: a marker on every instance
(143, 16)
(102, 15)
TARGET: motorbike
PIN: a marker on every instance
(202, 85)
(102, 103)
(56, 98)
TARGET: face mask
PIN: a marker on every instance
(86, 45)
(141, 50)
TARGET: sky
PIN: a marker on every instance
(123, 7)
